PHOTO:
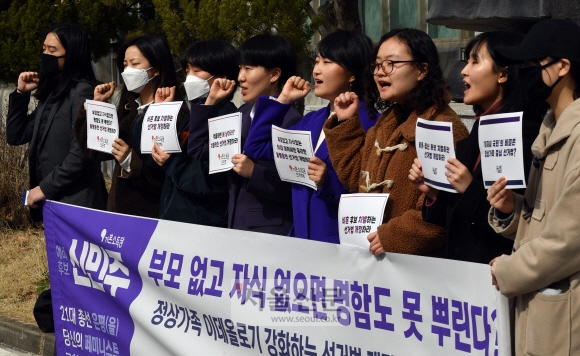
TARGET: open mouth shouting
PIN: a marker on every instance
(467, 86)
(383, 84)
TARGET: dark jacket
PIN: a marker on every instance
(469, 236)
(55, 161)
(136, 192)
(315, 211)
(262, 203)
(190, 194)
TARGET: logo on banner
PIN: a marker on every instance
(300, 172)
(103, 141)
(224, 158)
(97, 267)
(111, 239)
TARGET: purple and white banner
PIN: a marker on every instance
(124, 285)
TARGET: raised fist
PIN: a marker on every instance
(104, 92)
(220, 89)
(295, 89)
(27, 81)
(165, 94)
(346, 105)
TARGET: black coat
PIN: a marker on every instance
(137, 192)
(190, 194)
(464, 216)
(65, 174)
(262, 203)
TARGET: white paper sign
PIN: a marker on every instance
(292, 153)
(102, 125)
(500, 145)
(224, 141)
(434, 143)
(159, 125)
(358, 216)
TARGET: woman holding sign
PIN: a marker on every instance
(146, 65)
(492, 87)
(410, 85)
(58, 170)
(258, 200)
(543, 271)
(190, 194)
(341, 64)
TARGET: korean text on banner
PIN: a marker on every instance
(160, 124)
(102, 125)
(124, 285)
(500, 146)
(358, 216)
(434, 144)
(224, 141)
(292, 153)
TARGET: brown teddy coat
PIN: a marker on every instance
(362, 167)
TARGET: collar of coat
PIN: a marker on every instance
(408, 128)
(552, 132)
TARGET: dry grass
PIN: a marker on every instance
(23, 264)
(23, 271)
(13, 180)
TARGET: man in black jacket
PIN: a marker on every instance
(57, 168)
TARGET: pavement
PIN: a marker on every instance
(26, 338)
(8, 351)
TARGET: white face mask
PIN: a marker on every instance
(196, 87)
(136, 79)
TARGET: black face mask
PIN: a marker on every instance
(49, 67)
(533, 85)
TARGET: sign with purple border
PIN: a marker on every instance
(501, 149)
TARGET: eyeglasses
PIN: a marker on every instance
(387, 66)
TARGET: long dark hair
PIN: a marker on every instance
(575, 69)
(512, 97)
(157, 53)
(351, 50)
(431, 90)
(77, 63)
(269, 51)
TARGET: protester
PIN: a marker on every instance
(342, 64)
(543, 271)
(258, 199)
(411, 84)
(492, 87)
(146, 65)
(190, 194)
(57, 169)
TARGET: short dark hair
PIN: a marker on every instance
(269, 51)
(351, 50)
(213, 56)
(431, 90)
(512, 99)
(77, 62)
(157, 52)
